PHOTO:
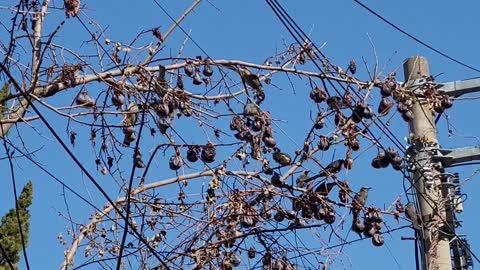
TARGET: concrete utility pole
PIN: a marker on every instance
(428, 191)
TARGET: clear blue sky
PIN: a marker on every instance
(248, 30)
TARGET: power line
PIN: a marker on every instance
(306, 37)
(74, 158)
(17, 212)
(125, 217)
(415, 38)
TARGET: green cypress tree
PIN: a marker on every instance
(10, 238)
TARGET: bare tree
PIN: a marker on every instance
(234, 196)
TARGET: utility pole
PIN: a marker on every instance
(435, 244)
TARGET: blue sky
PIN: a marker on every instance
(248, 30)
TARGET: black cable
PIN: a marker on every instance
(14, 185)
(304, 36)
(127, 223)
(427, 200)
(129, 189)
(75, 159)
(4, 255)
(448, 225)
(396, 142)
(417, 263)
(414, 38)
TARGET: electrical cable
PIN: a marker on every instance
(414, 38)
(17, 212)
(127, 223)
(268, 2)
(302, 35)
(75, 159)
(5, 257)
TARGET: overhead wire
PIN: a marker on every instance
(414, 38)
(125, 217)
(17, 210)
(271, 3)
(72, 156)
(287, 19)
(196, 44)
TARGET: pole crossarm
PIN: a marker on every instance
(449, 157)
(458, 88)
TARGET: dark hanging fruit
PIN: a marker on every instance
(360, 108)
(137, 159)
(246, 221)
(385, 90)
(236, 123)
(397, 163)
(297, 204)
(276, 180)
(329, 217)
(324, 143)
(354, 144)
(384, 106)
(319, 122)
(407, 116)
(340, 119)
(446, 102)
(376, 163)
(242, 136)
(348, 163)
(437, 107)
(180, 82)
(392, 153)
(290, 215)
(256, 125)
(235, 260)
(279, 216)
(318, 95)
(356, 117)
(319, 214)
(207, 68)
(269, 141)
(307, 212)
(192, 154)
(118, 99)
(384, 160)
(188, 69)
(376, 217)
(358, 226)
(208, 153)
(378, 240)
(343, 196)
(368, 229)
(197, 79)
(84, 99)
(251, 253)
(368, 112)
(352, 67)
(334, 102)
(175, 162)
(402, 108)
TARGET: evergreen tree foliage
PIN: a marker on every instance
(10, 238)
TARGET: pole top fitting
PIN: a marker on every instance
(415, 67)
